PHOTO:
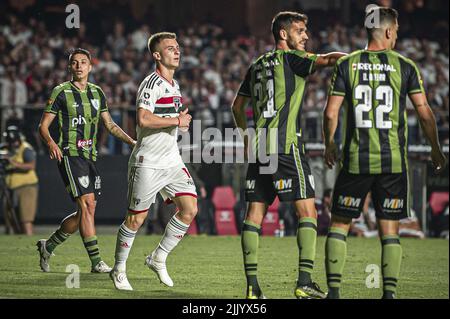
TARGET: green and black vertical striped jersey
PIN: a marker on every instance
(78, 117)
(276, 84)
(375, 85)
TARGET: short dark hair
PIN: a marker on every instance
(157, 38)
(387, 15)
(284, 19)
(79, 51)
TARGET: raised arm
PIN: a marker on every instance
(115, 129)
(428, 124)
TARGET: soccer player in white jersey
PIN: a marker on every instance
(155, 164)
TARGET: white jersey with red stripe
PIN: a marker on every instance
(157, 148)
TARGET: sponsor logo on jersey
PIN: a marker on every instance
(85, 144)
(251, 184)
(84, 181)
(348, 201)
(75, 105)
(373, 67)
(393, 203)
(145, 102)
(283, 184)
(81, 120)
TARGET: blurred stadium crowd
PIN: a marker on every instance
(33, 59)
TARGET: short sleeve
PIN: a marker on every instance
(103, 101)
(414, 82)
(301, 63)
(147, 98)
(29, 155)
(337, 86)
(55, 102)
(245, 90)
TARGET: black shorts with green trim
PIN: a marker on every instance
(291, 181)
(80, 176)
(390, 195)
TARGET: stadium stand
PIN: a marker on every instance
(33, 59)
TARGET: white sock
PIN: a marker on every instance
(174, 233)
(125, 238)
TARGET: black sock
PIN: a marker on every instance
(333, 293)
(388, 295)
(304, 278)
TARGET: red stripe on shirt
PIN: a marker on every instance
(168, 100)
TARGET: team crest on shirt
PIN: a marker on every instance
(84, 181)
(95, 103)
(176, 103)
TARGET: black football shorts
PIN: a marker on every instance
(291, 181)
(390, 195)
(80, 176)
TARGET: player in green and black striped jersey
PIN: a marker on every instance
(79, 106)
(78, 112)
(373, 84)
(275, 86)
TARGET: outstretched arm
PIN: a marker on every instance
(115, 129)
(329, 59)
(428, 124)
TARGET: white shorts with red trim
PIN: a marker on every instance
(145, 183)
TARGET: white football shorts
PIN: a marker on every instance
(144, 184)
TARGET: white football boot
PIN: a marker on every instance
(101, 267)
(159, 268)
(44, 255)
(120, 280)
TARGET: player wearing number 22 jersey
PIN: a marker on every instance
(373, 86)
(274, 86)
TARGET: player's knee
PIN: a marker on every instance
(135, 221)
(88, 206)
(306, 208)
(189, 212)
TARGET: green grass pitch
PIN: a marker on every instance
(211, 267)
